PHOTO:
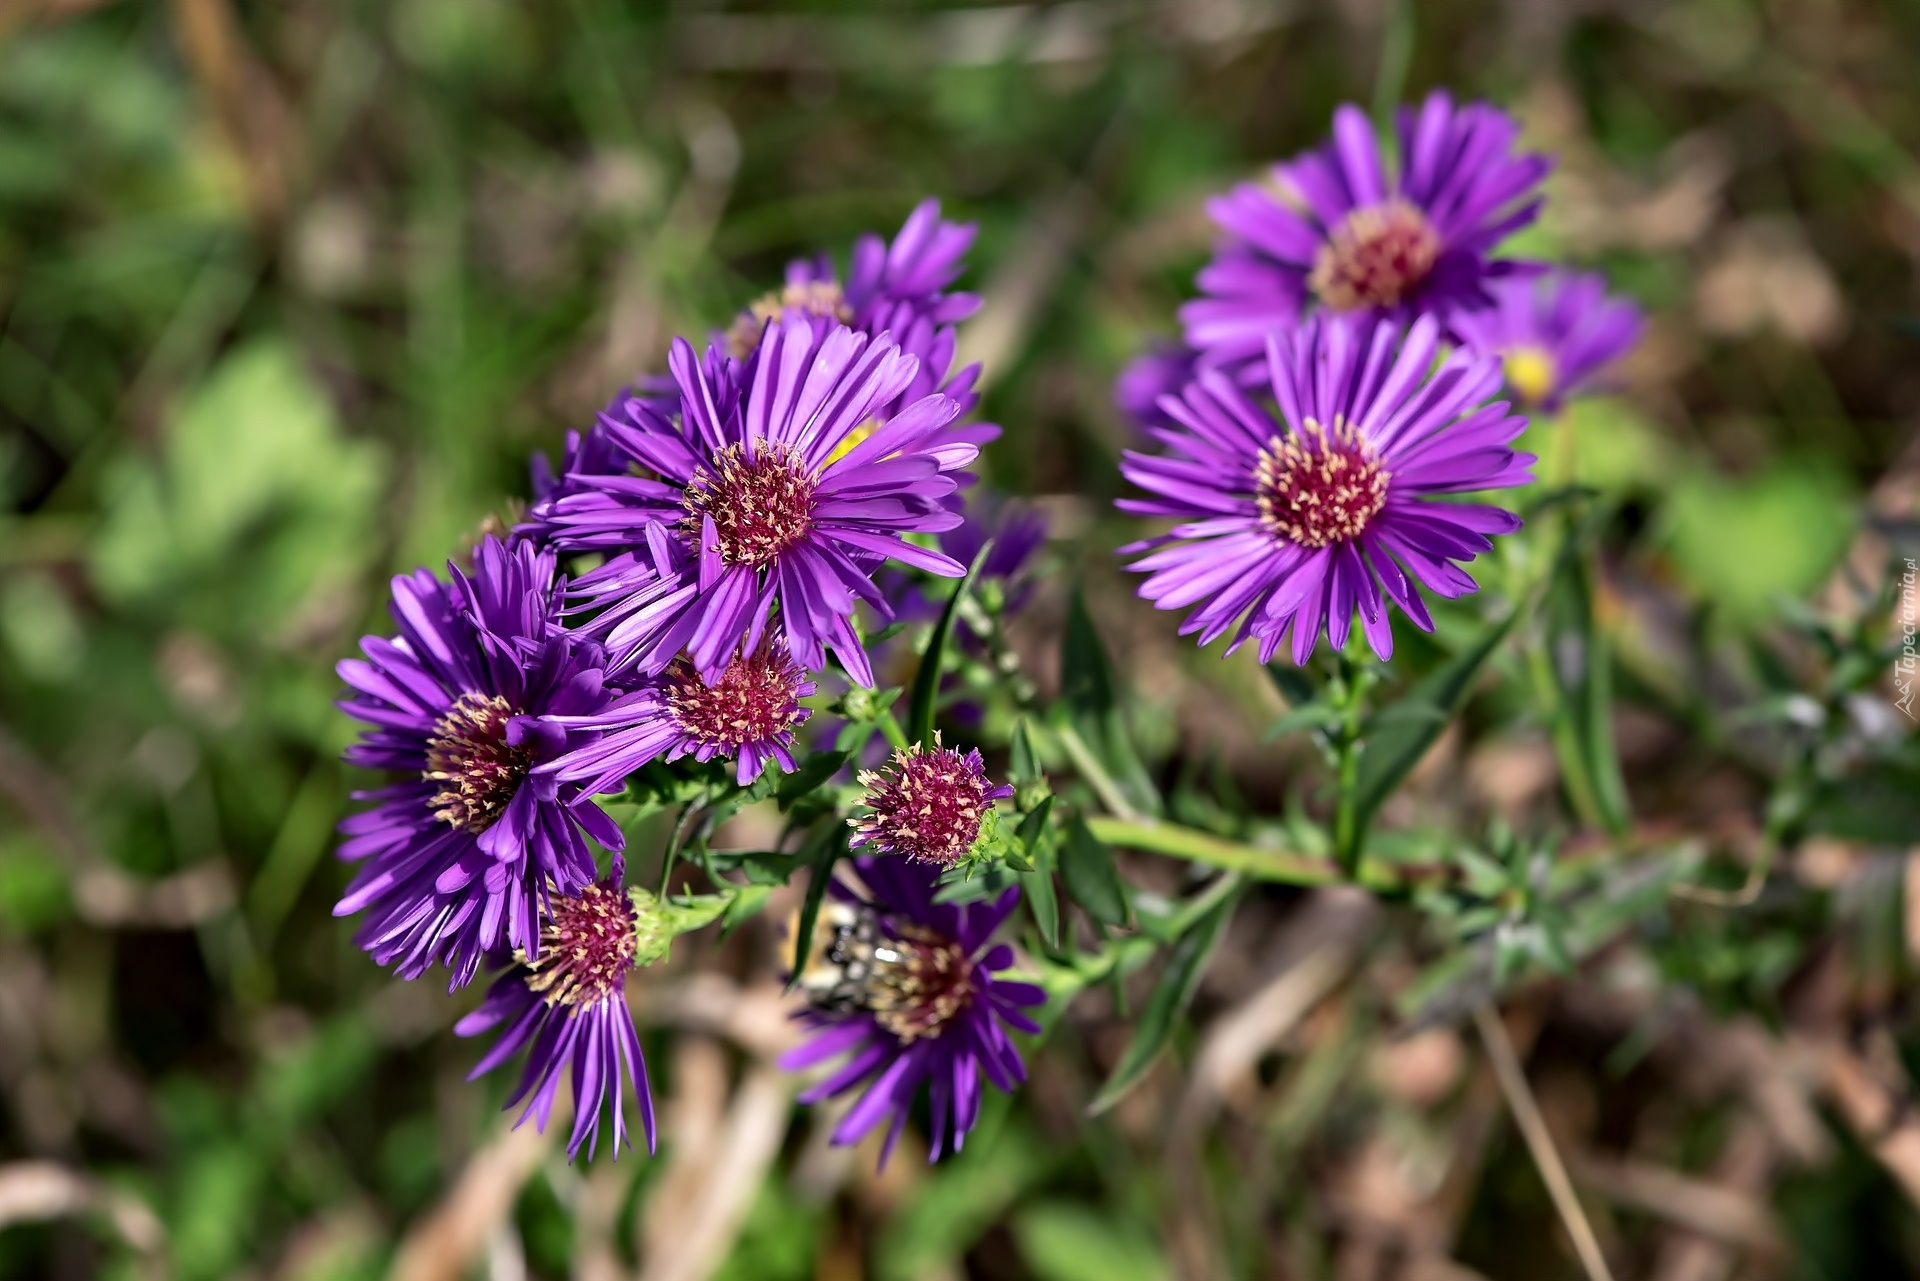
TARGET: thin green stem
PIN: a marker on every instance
(1089, 768)
(889, 726)
(1200, 847)
(1346, 813)
(1205, 901)
(1279, 867)
(682, 826)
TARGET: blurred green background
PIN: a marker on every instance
(289, 291)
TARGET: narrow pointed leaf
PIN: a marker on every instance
(926, 682)
(1172, 995)
(1092, 880)
(1398, 735)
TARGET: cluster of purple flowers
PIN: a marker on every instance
(741, 509)
(739, 517)
(1336, 383)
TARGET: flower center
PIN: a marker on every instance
(920, 981)
(761, 506)
(470, 758)
(1319, 487)
(1374, 257)
(587, 948)
(810, 297)
(928, 805)
(1530, 373)
(756, 700)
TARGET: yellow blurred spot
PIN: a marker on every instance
(851, 439)
(1531, 375)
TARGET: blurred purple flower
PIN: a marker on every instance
(1162, 371)
(1333, 229)
(1296, 521)
(1017, 529)
(1553, 334)
(780, 483)
(909, 991)
(900, 289)
(473, 841)
(568, 1010)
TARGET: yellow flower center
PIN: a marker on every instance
(1531, 374)
(851, 440)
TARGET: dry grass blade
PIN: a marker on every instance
(36, 1191)
(1710, 1209)
(1533, 1128)
(1880, 1112)
(444, 1244)
(695, 1242)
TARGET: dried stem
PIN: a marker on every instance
(1526, 1114)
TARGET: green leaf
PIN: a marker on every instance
(1033, 826)
(1092, 880)
(1398, 735)
(747, 902)
(812, 774)
(1036, 886)
(926, 681)
(1743, 542)
(1307, 716)
(1066, 1242)
(660, 921)
(820, 854)
(1879, 805)
(1090, 698)
(258, 505)
(1294, 685)
(1581, 664)
(1168, 1004)
(1023, 762)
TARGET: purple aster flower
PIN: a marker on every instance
(779, 483)
(909, 990)
(473, 841)
(1162, 371)
(568, 1010)
(927, 805)
(748, 715)
(1333, 229)
(1295, 521)
(1553, 333)
(900, 288)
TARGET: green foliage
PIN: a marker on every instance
(1172, 994)
(1745, 543)
(258, 505)
(926, 680)
(1062, 1241)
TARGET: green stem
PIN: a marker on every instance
(1566, 742)
(682, 826)
(1346, 814)
(1089, 768)
(1201, 847)
(1200, 904)
(889, 726)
